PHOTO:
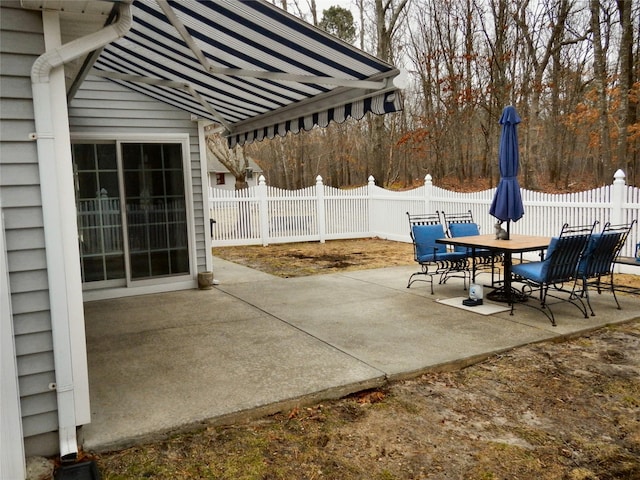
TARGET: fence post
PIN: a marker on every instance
(428, 192)
(263, 210)
(322, 227)
(617, 197)
(370, 186)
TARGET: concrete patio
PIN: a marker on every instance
(257, 344)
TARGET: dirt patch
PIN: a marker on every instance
(567, 410)
(311, 258)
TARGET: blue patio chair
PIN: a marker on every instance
(557, 275)
(434, 258)
(598, 260)
(463, 225)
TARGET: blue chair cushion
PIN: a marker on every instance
(465, 230)
(536, 271)
(583, 266)
(551, 247)
(427, 250)
(437, 257)
(533, 271)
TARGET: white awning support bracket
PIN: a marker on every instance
(307, 79)
(261, 75)
(186, 87)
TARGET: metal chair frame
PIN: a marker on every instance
(484, 260)
(446, 264)
(449, 218)
(558, 277)
(599, 258)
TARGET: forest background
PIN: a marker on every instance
(570, 67)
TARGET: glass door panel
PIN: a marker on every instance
(99, 214)
(156, 209)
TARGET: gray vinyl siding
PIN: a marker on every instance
(102, 106)
(22, 207)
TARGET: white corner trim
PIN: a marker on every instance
(204, 172)
(12, 461)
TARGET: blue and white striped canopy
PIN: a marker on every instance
(249, 66)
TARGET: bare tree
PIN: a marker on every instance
(571, 68)
(539, 54)
(499, 88)
(314, 11)
(237, 163)
(233, 159)
(633, 163)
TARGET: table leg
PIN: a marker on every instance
(473, 264)
(508, 262)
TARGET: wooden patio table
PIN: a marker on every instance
(515, 244)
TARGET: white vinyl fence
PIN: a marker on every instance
(262, 214)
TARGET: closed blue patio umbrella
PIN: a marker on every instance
(507, 202)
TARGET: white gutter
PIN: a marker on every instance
(58, 205)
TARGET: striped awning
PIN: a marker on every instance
(248, 66)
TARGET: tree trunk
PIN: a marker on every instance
(603, 157)
(625, 79)
(386, 26)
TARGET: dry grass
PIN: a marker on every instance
(310, 258)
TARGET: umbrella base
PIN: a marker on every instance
(502, 295)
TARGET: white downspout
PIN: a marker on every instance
(58, 205)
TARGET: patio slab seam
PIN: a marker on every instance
(305, 332)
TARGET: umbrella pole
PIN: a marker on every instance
(508, 230)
